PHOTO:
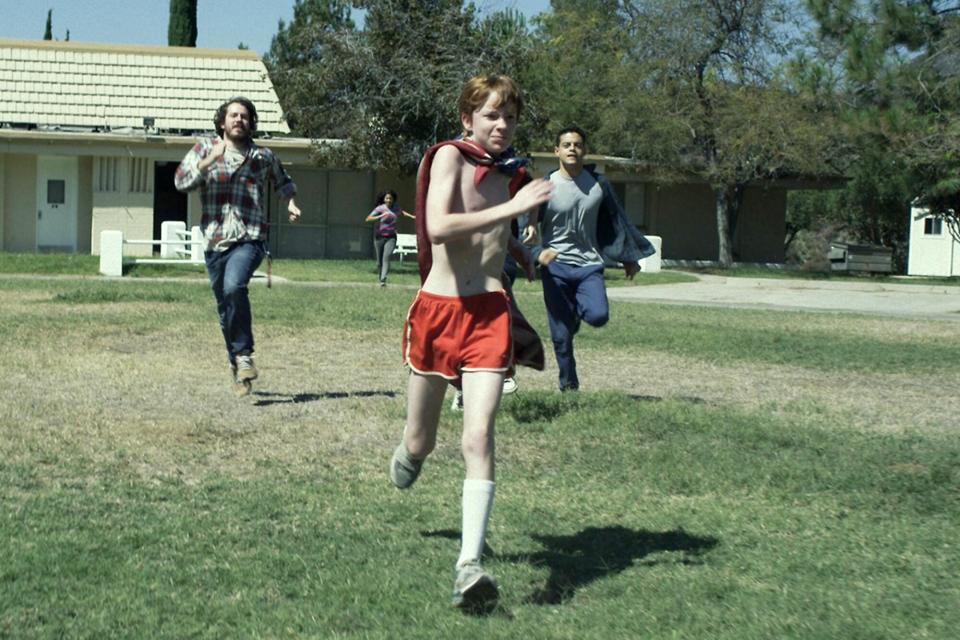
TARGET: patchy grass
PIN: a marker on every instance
(721, 476)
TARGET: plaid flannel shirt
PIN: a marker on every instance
(234, 203)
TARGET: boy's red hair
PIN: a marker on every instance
(479, 88)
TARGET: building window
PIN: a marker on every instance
(106, 176)
(139, 175)
(932, 226)
(56, 191)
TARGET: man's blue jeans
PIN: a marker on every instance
(230, 272)
(572, 294)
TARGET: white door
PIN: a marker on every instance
(57, 203)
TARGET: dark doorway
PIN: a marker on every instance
(168, 203)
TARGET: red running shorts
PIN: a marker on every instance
(447, 335)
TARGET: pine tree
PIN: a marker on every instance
(902, 87)
(48, 32)
(182, 30)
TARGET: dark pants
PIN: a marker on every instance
(384, 246)
(572, 294)
(230, 272)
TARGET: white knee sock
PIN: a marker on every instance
(477, 502)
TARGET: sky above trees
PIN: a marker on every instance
(221, 24)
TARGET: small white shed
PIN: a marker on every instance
(933, 249)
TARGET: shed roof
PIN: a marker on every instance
(97, 87)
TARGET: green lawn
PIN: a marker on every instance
(723, 473)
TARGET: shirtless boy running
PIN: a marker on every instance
(458, 327)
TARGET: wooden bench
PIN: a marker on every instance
(406, 245)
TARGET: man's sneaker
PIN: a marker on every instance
(457, 404)
(240, 387)
(404, 469)
(474, 589)
(509, 385)
(245, 368)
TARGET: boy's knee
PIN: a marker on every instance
(476, 443)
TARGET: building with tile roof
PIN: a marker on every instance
(69, 86)
(90, 135)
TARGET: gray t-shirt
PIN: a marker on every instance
(569, 224)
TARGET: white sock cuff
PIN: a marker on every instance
(479, 486)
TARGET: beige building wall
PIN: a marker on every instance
(20, 203)
(121, 199)
(123, 212)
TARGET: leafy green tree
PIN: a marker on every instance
(48, 30)
(386, 92)
(182, 28)
(576, 71)
(302, 59)
(689, 87)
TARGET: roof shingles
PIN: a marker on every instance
(70, 84)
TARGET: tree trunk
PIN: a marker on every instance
(182, 28)
(728, 201)
(725, 253)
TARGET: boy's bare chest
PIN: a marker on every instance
(492, 190)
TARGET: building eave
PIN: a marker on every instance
(158, 146)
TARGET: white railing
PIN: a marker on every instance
(177, 246)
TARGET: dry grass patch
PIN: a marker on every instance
(855, 399)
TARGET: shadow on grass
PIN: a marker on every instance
(598, 552)
(267, 398)
(532, 408)
(688, 399)
(593, 553)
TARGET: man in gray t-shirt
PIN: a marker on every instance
(570, 259)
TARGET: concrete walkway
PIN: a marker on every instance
(902, 300)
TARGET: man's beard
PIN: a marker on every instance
(241, 136)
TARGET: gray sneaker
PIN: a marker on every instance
(474, 589)
(245, 368)
(509, 385)
(404, 469)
